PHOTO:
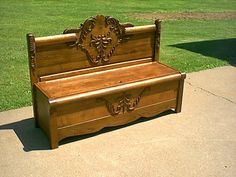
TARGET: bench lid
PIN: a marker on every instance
(85, 83)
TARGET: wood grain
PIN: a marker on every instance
(102, 74)
(103, 79)
(90, 109)
(61, 58)
(109, 121)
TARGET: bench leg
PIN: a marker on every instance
(180, 94)
(54, 143)
(34, 104)
(53, 131)
(36, 123)
(53, 139)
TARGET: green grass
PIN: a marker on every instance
(180, 39)
(51, 17)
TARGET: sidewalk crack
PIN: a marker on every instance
(207, 91)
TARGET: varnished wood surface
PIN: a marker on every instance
(110, 121)
(62, 38)
(112, 90)
(180, 93)
(94, 69)
(103, 79)
(61, 58)
(100, 75)
(94, 108)
(43, 111)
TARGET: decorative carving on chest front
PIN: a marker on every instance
(125, 103)
(99, 37)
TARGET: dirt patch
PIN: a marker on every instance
(186, 16)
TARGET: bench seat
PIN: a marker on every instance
(86, 83)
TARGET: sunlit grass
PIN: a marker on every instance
(51, 17)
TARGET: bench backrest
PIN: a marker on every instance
(101, 42)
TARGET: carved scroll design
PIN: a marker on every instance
(73, 30)
(77, 30)
(125, 104)
(31, 41)
(99, 37)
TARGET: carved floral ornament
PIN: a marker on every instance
(99, 37)
(125, 103)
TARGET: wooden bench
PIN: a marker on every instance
(100, 75)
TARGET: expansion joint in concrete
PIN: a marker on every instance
(207, 91)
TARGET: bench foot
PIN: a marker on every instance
(54, 144)
(178, 110)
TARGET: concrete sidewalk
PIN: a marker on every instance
(198, 142)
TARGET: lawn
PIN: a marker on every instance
(189, 45)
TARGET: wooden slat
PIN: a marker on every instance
(62, 58)
(140, 29)
(56, 39)
(94, 69)
(62, 38)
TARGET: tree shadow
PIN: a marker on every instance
(34, 139)
(223, 49)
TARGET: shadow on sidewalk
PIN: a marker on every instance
(223, 49)
(34, 139)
